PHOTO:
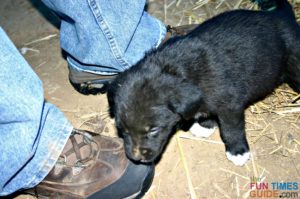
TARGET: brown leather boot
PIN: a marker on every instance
(88, 83)
(95, 167)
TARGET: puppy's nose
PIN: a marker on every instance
(141, 154)
(146, 153)
(136, 154)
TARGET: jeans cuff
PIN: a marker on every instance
(79, 67)
(75, 65)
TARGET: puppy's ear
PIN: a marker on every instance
(186, 100)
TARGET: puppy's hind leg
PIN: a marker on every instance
(292, 74)
(203, 127)
(232, 129)
(293, 79)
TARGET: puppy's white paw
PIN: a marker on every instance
(200, 131)
(238, 160)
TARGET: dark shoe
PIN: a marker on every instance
(95, 167)
(266, 5)
(90, 83)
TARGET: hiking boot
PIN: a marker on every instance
(90, 83)
(94, 166)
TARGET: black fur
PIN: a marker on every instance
(227, 63)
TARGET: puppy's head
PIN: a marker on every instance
(147, 105)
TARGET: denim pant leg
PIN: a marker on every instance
(32, 131)
(104, 36)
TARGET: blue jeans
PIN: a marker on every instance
(100, 36)
(32, 131)
(106, 37)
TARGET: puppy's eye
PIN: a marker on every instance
(153, 131)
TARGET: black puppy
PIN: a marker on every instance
(215, 72)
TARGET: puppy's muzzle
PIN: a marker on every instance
(142, 154)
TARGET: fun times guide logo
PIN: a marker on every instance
(273, 189)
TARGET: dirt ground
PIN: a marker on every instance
(190, 167)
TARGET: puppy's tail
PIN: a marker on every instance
(275, 5)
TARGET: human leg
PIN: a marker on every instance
(106, 37)
(39, 144)
(32, 131)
